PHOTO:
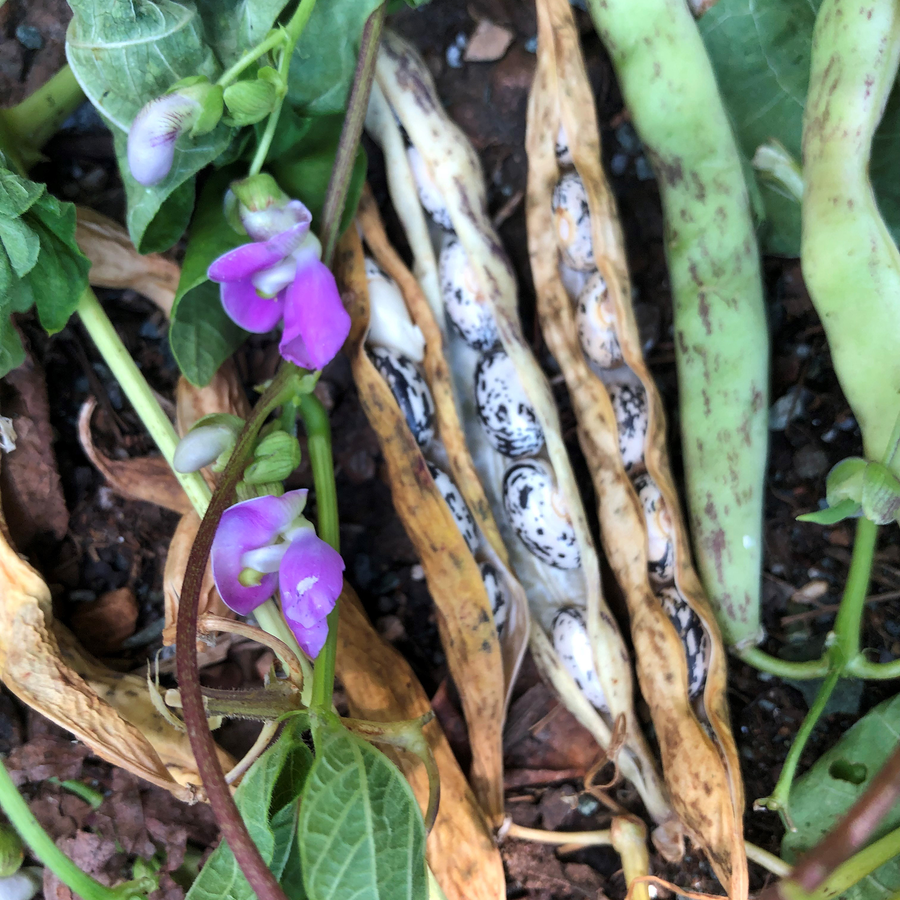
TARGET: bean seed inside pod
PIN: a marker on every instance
(629, 403)
(538, 514)
(661, 550)
(572, 218)
(390, 324)
(410, 390)
(508, 417)
(429, 195)
(496, 595)
(467, 308)
(571, 642)
(595, 316)
(450, 492)
(563, 153)
(693, 635)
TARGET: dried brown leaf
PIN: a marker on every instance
(103, 624)
(116, 264)
(147, 478)
(381, 687)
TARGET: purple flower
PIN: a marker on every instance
(151, 139)
(279, 277)
(266, 543)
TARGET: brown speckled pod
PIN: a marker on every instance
(484, 322)
(482, 665)
(698, 752)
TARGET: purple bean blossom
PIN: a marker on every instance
(153, 133)
(278, 277)
(266, 544)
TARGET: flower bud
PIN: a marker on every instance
(249, 102)
(245, 491)
(207, 440)
(11, 851)
(192, 105)
(275, 457)
(880, 494)
(265, 210)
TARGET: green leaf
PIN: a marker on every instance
(124, 55)
(760, 50)
(361, 833)
(60, 275)
(834, 783)
(21, 244)
(266, 799)
(306, 173)
(17, 194)
(325, 57)
(201, 335)
(233, 26)
(833, 514)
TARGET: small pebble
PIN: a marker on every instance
(29, 37)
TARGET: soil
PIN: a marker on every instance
(105, 563)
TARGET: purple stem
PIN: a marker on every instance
(254, 867)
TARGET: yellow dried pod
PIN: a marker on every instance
(524, 470)
(577, 252)
(447, 535)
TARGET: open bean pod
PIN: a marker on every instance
(404, 390)
(508, 415)
(584, 304)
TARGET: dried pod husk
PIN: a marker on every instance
(698, 752)
(381, 687)
(482, 665)
(404, 92)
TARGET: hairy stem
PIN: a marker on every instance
(261, 879)
(318, 435)
(41, 844)
(357, 105)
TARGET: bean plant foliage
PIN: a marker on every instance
(254, 97)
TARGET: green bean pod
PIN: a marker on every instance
(850, 264)
(721, 337)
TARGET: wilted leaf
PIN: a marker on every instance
(381, 687)
(116, 264)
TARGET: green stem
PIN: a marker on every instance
(783, 668)
(269, 618)
(871, 671)
(318, 434)
(135, 386)
(39, 116)
(778, 801)
(852, 871)
(275, 38)
(41, 844)
(848, 625)
(292, 32)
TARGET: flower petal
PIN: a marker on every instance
(264, 224)
(246, 308)
(249, 526)
(315, 321)
(310, 579)
(244, 261)
(152, 136)
(311, 640)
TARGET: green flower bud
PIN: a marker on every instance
(209, 96)
(249, 102)
(843, 492)
(11, 851)
(880, 494)
(245, 491)
(258, 192)
(275, 457)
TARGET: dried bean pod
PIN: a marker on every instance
(404, 82)
(485, 666)
(699, 759)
